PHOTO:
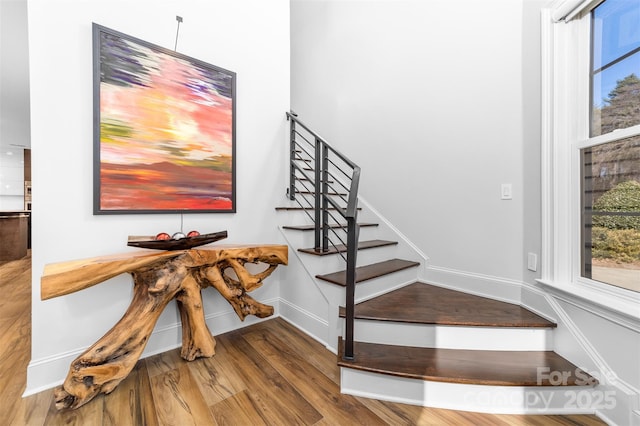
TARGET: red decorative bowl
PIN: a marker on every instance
(180, 244)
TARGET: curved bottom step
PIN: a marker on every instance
(508, 382)
(482, 367)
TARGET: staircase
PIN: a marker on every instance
(408, 341)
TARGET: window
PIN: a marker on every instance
(615, 66)
(611, 169)
(591, 152)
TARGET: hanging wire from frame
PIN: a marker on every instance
(179, 19)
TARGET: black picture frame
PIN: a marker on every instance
(164, 129)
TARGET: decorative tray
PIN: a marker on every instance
(178, 244)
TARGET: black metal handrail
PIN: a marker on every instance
(318, 175)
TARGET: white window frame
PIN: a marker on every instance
(565, 131)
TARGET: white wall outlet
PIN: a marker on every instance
(532, 262)
(506, 191)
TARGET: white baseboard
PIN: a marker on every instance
(312, 325)
(497, 288)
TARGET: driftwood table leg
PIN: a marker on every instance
(197, 340)
(235, 293)
(105, 364)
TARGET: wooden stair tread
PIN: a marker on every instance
(368, 272)
(287, 208)
(340, 248)
(312, 227)
(428, 304)
(496, 368)
(330, 193)
(308, 180)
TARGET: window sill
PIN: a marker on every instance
(617, 305)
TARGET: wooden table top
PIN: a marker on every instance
(63, 278)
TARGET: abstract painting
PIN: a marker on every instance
(164, 129)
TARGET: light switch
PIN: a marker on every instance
(532, 262)
(506, 191)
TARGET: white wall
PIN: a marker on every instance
(14, 102)
(531, 135)
(250, 37)
(439, 103)
(427, 98)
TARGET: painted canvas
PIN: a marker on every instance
(164, 129)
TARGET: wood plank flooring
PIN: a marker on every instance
(15, 331)
(266, 374)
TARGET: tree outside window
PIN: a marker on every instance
(611, 170)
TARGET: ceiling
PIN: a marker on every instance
(14, 76)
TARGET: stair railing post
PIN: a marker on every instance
(318, 193)
(325, 194)
(292, 159)
(353, 235)
(352, 251)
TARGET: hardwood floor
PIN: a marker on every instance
(15, 332)
(266, 374)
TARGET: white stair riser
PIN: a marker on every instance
(453, 337)
(479, 398)
(306, 239)
(369, 289)
(334, 262)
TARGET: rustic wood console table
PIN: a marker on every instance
(159, 277)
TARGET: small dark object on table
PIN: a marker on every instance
(181, 244)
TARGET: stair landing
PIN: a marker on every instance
(428, 304)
